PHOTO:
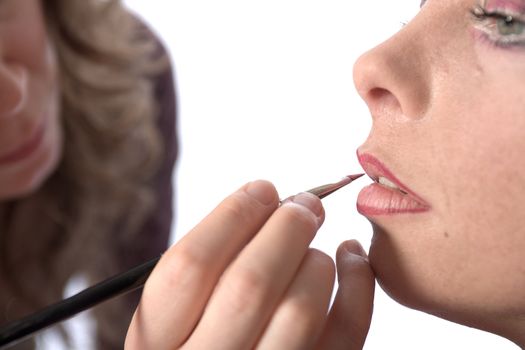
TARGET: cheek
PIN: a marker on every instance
(50, 105)
(467, 253)
(485, 171)
(25, 34)
(25, 42)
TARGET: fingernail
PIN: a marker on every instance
(261, 190)
(355, 248)
(309, 201)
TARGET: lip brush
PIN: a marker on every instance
(114, 286)
(325, 190)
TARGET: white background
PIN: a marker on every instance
(265, 91)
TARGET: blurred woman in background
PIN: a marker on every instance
(87, 147)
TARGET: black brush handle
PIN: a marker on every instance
(112, 287)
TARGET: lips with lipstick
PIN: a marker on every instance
(387, 195)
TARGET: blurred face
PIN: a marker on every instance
(30, 139)
(447, 98)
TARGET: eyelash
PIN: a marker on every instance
(490, 22)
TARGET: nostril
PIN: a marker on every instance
(382, 101)
(378, 93)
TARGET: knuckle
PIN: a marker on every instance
(185, 267)
(187, 257)
(247, 289)
(238, 209)
(301, 317)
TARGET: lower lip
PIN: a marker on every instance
(25, 150)
(377, 199)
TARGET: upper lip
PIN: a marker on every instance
(375, 169)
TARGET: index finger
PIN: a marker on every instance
(178, 289)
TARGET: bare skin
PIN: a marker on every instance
(446, 95)
(245, 278)
(30, 135)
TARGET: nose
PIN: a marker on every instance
(13, 88)
(394, 78)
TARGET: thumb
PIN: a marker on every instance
(349, 318)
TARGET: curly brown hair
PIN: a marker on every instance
(101, 191)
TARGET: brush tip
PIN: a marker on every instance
(354, 177)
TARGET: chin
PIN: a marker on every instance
(413, 277)
(416, 279)
(394, 272)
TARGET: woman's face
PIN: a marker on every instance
(30, 137)
(447, 98)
